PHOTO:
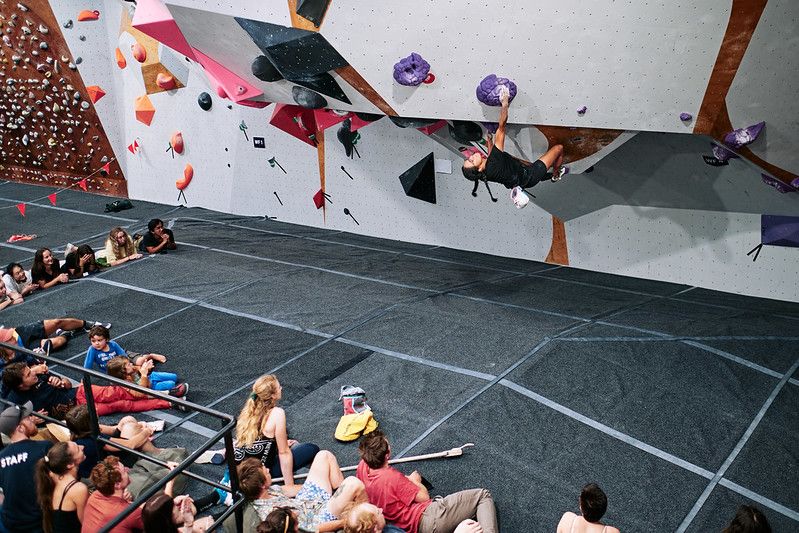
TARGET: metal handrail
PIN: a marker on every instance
(226, 433)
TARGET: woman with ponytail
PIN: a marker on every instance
(57, 481)
(261, 432)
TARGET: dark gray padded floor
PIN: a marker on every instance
(558, 376)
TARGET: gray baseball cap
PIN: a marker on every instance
(11, 417)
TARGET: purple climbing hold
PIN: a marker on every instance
(743, 136)
(582, 110)
(488, 90)
(491, 127)
(412, 70)
(721, 153)
(685, 117)
(795, 183)
(777, 184)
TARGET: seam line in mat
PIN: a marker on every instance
(524, 358)
(55, 207)
(765, 502)
(367, 317)
(736, 450)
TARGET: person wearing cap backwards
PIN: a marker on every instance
(18, 459)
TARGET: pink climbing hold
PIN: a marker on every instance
(165, 81)
(139, 52)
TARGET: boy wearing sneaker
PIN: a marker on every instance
(510, 171)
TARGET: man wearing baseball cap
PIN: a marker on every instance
(17, 463)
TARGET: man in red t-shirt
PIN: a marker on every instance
(405, 501)
(110, 478)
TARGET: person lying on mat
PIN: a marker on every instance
(404, 500)
(316, 505)
(18, 281)
(158, 239)
(46, 269)
(119, 248)
(593, 503)
(80, 262)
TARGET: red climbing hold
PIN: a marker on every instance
(188, 174)
(319, 199)
(95, 93)
(88, 15)
(176, 142)
(165, 81)
(429, 79)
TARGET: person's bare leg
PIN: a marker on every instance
(133, 430)
(351, 490)
(56, 343)
(67, 324)
(325, 471)
(553, 158)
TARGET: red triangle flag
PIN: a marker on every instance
(82, 185)
(51, 197)
(21, 208)
(106, 168)
(132, 147)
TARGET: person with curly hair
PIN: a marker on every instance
(110, 479)
(119, 248)
(46, 269)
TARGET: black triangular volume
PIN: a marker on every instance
(313, 10)
(419, 181)
(325, 84)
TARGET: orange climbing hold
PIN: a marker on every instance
(95, 93)
(88, 15)
(177, 142)
(121, 61)
(139, 52)
(144, 110)
(165, 81)
(188, 174)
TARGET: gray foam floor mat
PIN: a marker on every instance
(559, 376)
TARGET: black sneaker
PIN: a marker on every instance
(179, 407)
(65, 333)
(87, 325)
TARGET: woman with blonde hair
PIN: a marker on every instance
(119, 247)
(57, 480)
(261, 432)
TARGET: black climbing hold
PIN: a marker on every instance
(313, 10)
(204, 101)
(404, 122)
(347, 138)
(307, 98)
(419, 181)
(465, 131)
(323, 83)
(264, 70)
(368, 117)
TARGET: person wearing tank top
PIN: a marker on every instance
(57, 481)
(593, 503)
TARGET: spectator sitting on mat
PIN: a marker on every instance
(57, 481)
(20, 511)
(122, 368)
(103, 349)
(163, 514)
(79, 262)
(110, 479)
(57, 396)
(131, 434)
(593, 503)
(8, 298)
(405, 501)
(18, 281)
(318, 503)
(261, 433)
(748, 519)
(158, 239)
(119, 248)
(46, 270)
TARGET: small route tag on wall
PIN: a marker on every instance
(258, 142)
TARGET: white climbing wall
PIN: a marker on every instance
(651, 209)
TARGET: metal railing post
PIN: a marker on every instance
(89, 395)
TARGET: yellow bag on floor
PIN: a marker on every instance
(352, 426)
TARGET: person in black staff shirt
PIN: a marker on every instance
(158, 239)
(511, 172)
(20, 511)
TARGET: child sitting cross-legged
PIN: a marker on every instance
(120, 367)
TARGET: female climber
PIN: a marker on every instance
(510, 171)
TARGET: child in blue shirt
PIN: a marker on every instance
(103, 349)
